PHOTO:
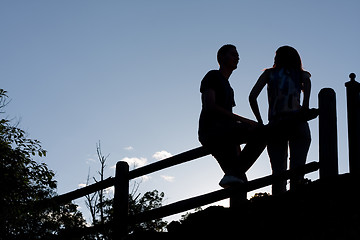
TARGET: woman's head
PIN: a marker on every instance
(288, 57)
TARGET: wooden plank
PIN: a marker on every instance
(169, 162)
(218, 195)
(78, 193)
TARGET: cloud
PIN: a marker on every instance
(82, 185)
(134, 162)
(129, 148)
(168, 178)
(145, 178)
(161, 155)
(109, 190)
(90, 160)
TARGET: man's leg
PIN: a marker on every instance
(255, 145)
(228, 158)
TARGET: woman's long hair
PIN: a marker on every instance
(287, 57)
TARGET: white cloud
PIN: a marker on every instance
(109, 190)
(161, 155)
(129, 148)
(90, 160)
(168, 178)
(82, 185)
(134, 162)
(145, 178)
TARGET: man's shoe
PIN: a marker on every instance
(228, 181)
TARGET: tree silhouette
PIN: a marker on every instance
(100, 203)
(23, 183)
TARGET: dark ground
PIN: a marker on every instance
(324, 209)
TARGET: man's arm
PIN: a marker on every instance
(209, 104)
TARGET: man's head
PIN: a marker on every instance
(228, 56)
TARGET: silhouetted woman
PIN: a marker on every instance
(285, 81)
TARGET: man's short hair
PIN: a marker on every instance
(223, 51)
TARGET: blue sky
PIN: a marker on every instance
(128, 73)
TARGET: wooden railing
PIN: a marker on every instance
(353, 114)
(218, 195)
(327, 165)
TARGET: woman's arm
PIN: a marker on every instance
(307, 90)
(255, 91)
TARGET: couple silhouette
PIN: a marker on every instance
(222, 131)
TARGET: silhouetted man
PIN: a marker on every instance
(221, 130)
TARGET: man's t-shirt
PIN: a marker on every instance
(224, 97)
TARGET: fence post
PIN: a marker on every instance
(328, 149)
(353, 114)
(238, 199)
(121, 196)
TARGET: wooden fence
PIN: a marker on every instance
(353, 114)
(327, 165)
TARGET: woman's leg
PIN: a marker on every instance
(299, 145)
(278, 154)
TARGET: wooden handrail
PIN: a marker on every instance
(109, 182)
(78, 193)
(169, 162)
(218, 195)
(198, 201)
